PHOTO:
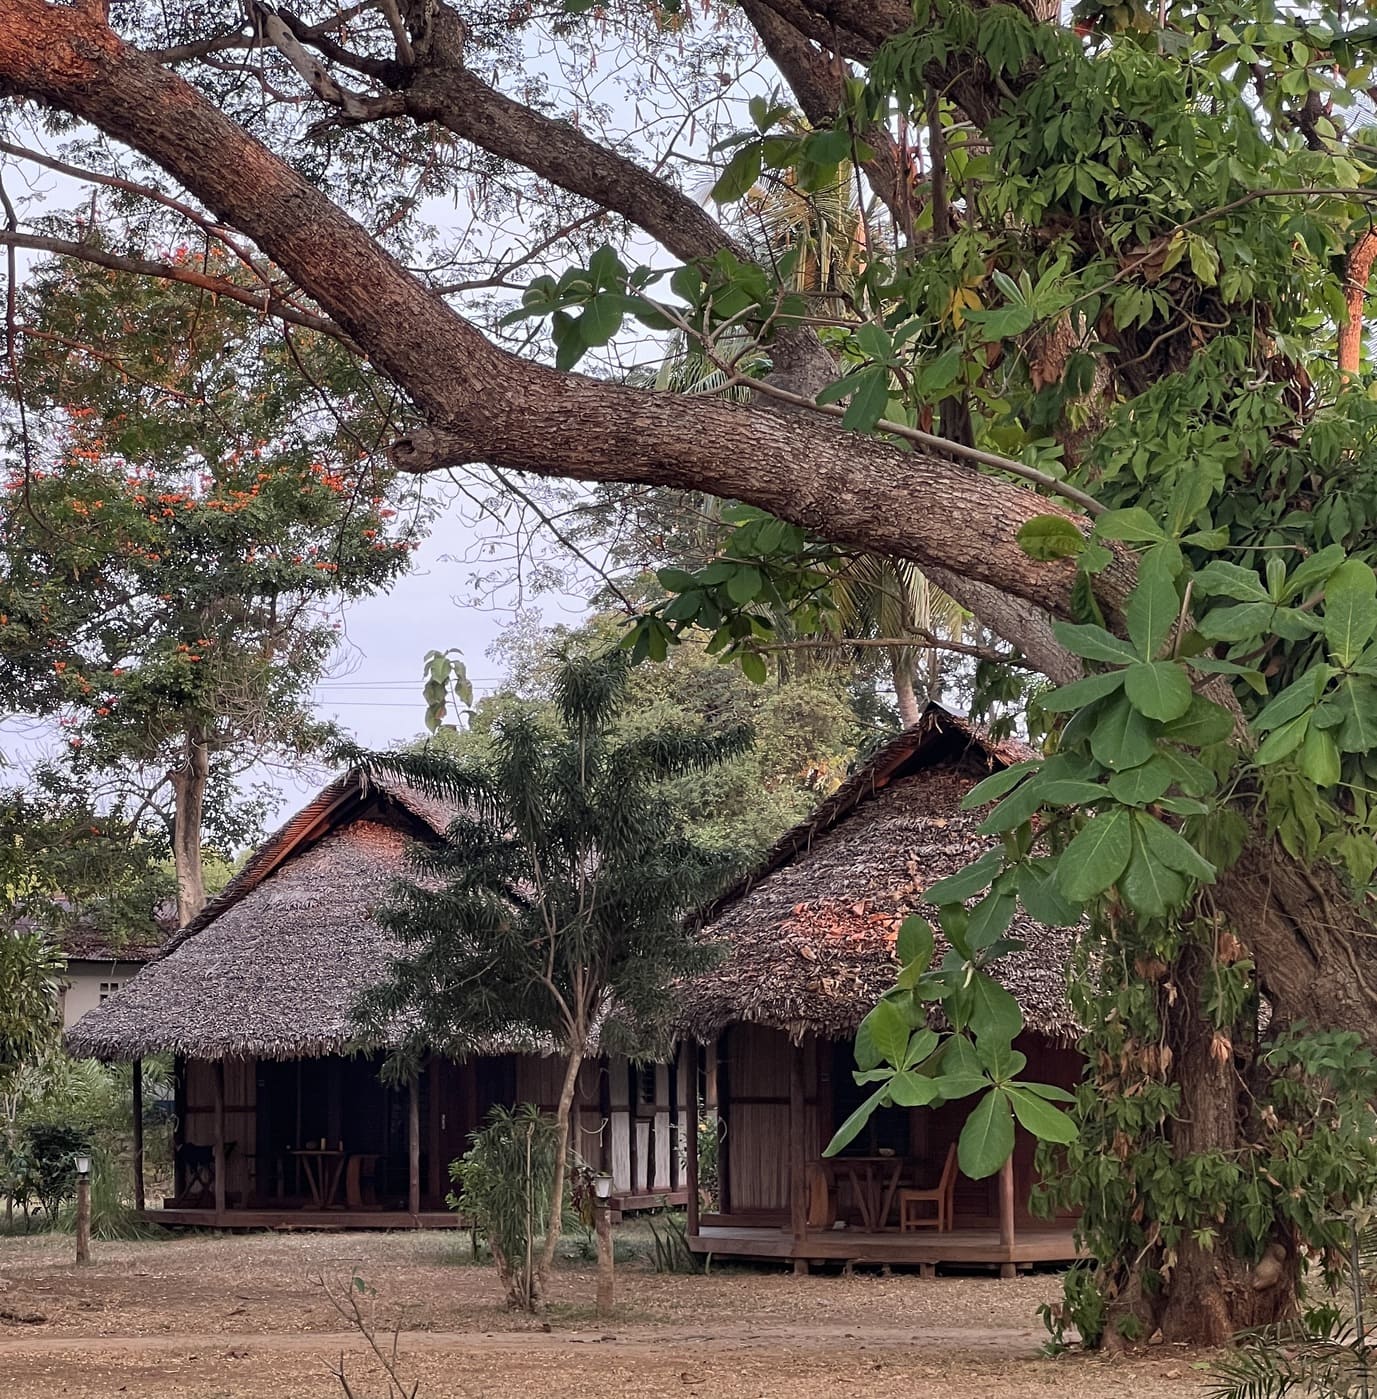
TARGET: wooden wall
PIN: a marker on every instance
(197, 1126)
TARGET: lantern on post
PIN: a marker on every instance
(602, 1196)
(83, 1208)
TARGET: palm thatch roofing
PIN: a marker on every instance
(809, 934)
(271, 967)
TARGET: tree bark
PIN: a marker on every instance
(905, 692)
(189, 780)
(563, 1113)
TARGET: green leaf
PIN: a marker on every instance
(990, 918)
(913, 1090)
(922, 1044)
(1121, 737)
(1203, 724)
(958, 1057)
(1082, 692)
(1222, 579)
(1153, 606)
(1172, 848)
(827, 147)
(1149, 887)
(1093, 643)
(889, 1031)
(1048, 537)
(1240, 623)
(1314, 571)
(1049, 1091)
(742, 171)
(1356, 701)
(998, 783)
(744, 585)
(1300, 695)
(953, 1085)
(1070, 791)
(1319, 758)
(1041, 899)
(868, 404)
(1350, 610)
(965, 883)
(1282, 741)
(1045, 1122)
(994, 1012)
(850, 1129)
(987, 1139)
(753, 667)
(915, 942)
(1014, 810)
(1158, 689)
(1142, 784)
(1096, 857)
(1131, 526)
(1000, 1059)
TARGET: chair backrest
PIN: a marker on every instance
(948, 1170)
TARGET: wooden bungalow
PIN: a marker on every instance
(279, 1119)
(809, 939)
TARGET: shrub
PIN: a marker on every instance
(50, 1148)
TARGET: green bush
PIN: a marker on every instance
(50, 1148)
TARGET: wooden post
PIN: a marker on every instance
(137, 1080)
(1006, 1219)
(798, 1166)
(723, 1113)
(219, 1139)
(603, 1210)
(691, 1163)
(414, 1150)
(83, 1218)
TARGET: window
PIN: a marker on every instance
(108, 989)
(645, 1085)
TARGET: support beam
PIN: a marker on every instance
(413, 1142)
(137, 1109)
(219, 1140)
(693, 1050)
(798, 1167)
(1006, 1218)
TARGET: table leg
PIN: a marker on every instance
(335, 1174)
(311, 1180)
(889, 1192)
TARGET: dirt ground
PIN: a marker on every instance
(247, 1317)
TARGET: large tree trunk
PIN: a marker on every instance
(563, 1114)
(905, 692)
(1210, 1294)
(189, 780)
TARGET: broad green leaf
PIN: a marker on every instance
(987, 1139)
(997, 783)
(915, 942)
(1014, 810)
(1041, 899)
(1314, 571)
(744, 585)
(961, 1084)
(1283, 740)
(1068, 791)
(868, 1055)
(1049, 1091)
(921, 1045)
(994, 1012)
(1096, 857)
(1172, 848)
(1222, 579)
(888, 1032)
(1000, 1059)
(1350, 610)
(958, 1056)
(1203, 724)
(1296, 698)
(1319, 758)
(1356, 701)
(1153, 606)
(1122, 738)
(850, 1129)
(1045, 1122)
(869, 402)
(1131, 526)
(742, 171)
(753, 667)
(990, 918)
(1149, 887)
(1082, 692)
(1239, 623)
(1047, 537)
(966, 883)
(1158, 689)
(1142, 784)
(913, 1090)
(1094, 643)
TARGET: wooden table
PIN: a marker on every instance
(324, 1166)
(874, 1181)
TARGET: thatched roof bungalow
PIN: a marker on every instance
(809, 938)
(279, 1108)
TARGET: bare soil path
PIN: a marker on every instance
(247, 1318)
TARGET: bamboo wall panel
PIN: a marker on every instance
(241, 1119)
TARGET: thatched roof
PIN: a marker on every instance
(271, 967)
(809, 934)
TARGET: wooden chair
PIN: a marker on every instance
(911, 1202)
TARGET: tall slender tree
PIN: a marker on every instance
(553, 910)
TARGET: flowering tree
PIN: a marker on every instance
(171, 546)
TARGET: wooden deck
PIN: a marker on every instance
(926, 1248)
(304, 1219)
